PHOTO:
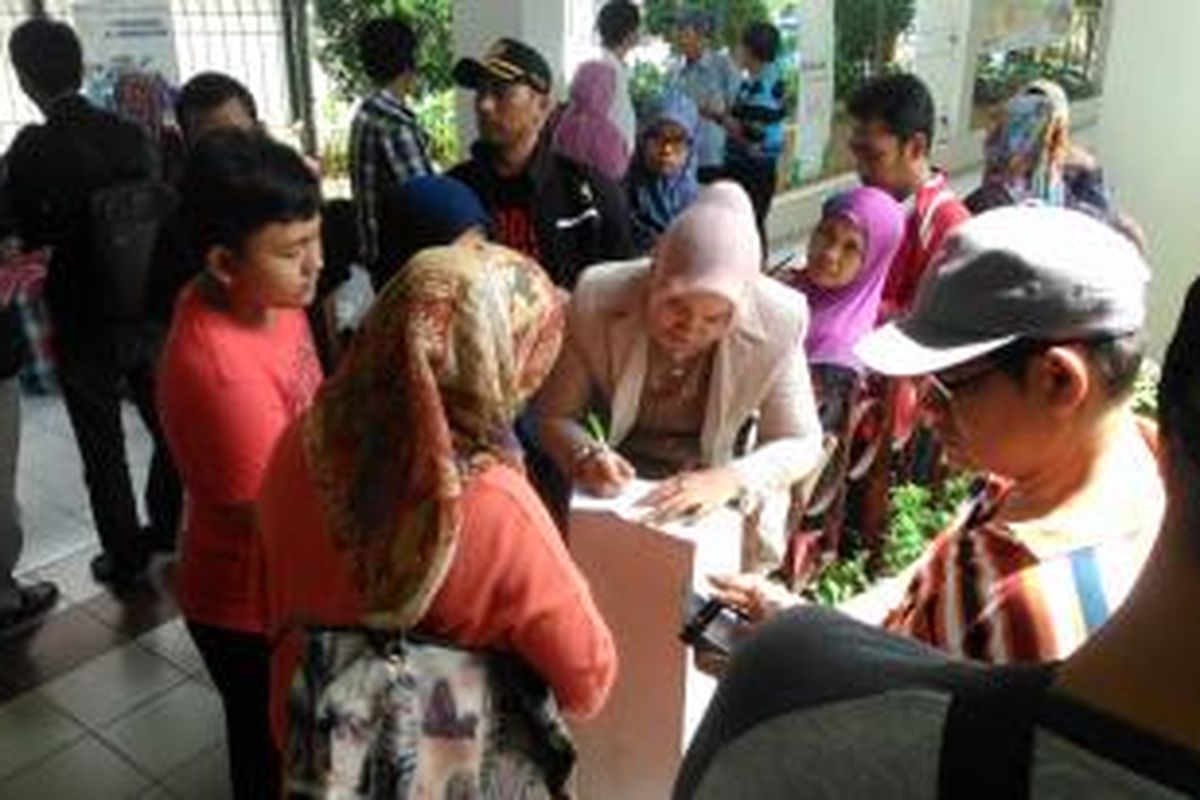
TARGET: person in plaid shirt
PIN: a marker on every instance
(387, 145)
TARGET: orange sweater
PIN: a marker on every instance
(512, 585)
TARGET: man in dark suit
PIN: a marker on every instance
(55, 171)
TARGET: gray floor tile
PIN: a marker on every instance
(87, 770)
(31, 729)
(50, 481)
(169, 731)
(110, 686)
(155, 793)
(173, 642)
(50, 535)
(73, 574)
(205, 777)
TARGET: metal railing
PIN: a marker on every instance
(252, 40)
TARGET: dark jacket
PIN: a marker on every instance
(579, 217)
(14, 348)
(54, 169)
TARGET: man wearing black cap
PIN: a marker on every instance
(565, 215)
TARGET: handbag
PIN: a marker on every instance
(376, 714)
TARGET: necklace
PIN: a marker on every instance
(676, 377)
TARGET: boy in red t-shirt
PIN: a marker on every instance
(893, 134)
(239, 366)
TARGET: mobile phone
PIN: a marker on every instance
(712, 625)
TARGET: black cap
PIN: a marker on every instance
(506, 61)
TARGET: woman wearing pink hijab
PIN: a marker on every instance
(585, 132)
(678, 352)
(843, 278)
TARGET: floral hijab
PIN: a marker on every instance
(1020, 151)
(426, 399)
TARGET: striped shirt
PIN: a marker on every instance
(985, 592)
(387, 148)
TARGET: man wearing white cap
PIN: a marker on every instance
(1027, 335)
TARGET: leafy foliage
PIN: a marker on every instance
(916, 515)
(840, 580)
(865, 34)
(646, 84)
(731, 15)
(1145, 390)
(338, 23)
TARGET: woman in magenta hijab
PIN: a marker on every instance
(677, 353)
(585, 132)
(848, 258)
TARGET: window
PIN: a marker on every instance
(829, 48)
(972, 54)
(1022, 40)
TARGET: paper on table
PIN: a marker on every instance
(623, 505)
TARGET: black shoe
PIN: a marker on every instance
(107, 570)
(36, 600)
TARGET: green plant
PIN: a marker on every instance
(646, 83)
(437, 115)
(865, 37)
(916, 514)
(731, 16)
(1145, 390)
(338, 23)
(840, 580)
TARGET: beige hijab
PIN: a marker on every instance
(712, 247)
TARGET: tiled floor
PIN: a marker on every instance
(108, 698)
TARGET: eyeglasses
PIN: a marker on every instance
(941, 390)
(668, 141)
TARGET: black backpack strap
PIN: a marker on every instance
(987, 741)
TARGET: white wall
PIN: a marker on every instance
(1149, 140)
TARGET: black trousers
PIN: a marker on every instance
(757, 176)
(240, 667)
(95, 376)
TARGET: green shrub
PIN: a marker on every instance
(1145, 391)
(916, 514)
(840, 580)
(731, 16)
(338, 23)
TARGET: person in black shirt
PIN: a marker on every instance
(55, 171)
(207, 102)
(564, 215)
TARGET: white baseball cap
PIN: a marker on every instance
(1021, 272)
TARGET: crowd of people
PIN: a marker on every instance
(582, 302)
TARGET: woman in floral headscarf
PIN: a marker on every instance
(1028, 157)
(399, 500)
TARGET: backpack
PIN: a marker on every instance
(375, 715)
(124, 222)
